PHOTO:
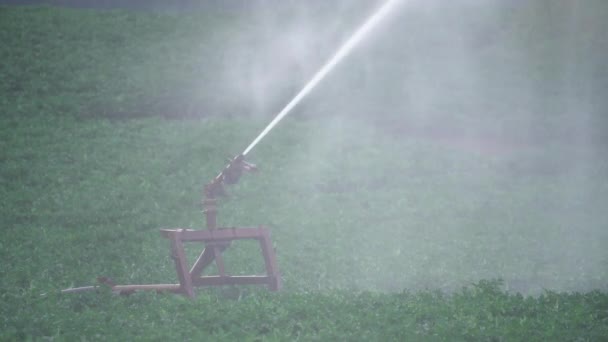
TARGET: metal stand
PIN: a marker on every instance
(216, 240)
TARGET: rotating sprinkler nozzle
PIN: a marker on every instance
(236, 167)
(231, 174)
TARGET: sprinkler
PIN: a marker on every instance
(217, 239)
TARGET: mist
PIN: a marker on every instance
(503, 91)
(461, 140)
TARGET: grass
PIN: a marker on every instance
(480, 313)
(379, 236)
(86, 198)
(117, 63)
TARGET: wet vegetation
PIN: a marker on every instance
(385, 228)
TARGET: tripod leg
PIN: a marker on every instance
(181, 266)
(272, 270)
(204, 260)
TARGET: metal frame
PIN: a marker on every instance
(216, 241)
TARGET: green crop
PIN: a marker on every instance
(381, 233)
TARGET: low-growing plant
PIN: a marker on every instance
(380, 235)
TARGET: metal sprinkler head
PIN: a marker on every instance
(231, 174)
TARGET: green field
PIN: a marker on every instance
(110, 126)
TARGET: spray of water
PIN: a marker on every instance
(344, 50)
